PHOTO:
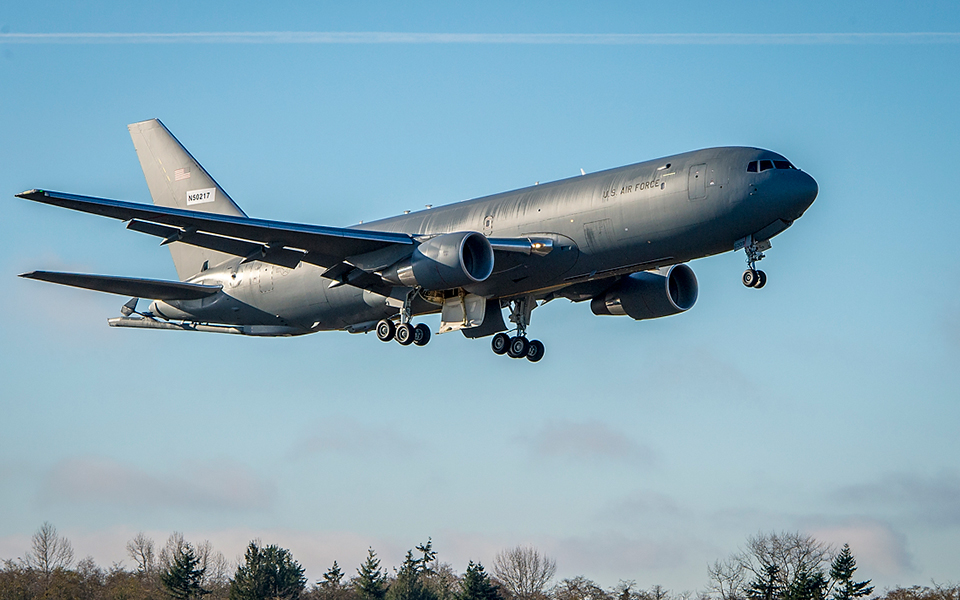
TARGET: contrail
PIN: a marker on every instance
(373, 37)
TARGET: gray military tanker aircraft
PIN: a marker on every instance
(618, 238)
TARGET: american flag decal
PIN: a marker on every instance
(180, 174)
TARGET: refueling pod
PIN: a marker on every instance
(444, 262)
(649, 295)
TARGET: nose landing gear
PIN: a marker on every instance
(752, 277)
(519, 346)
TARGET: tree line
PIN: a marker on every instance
(773, 566)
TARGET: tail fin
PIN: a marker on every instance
(177, 180)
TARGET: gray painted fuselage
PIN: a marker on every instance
(605, 224)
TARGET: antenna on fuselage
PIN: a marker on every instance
(582, 172)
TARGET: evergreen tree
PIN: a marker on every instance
(429, 554)
(476, 585)
(807, 585)
(269, 572)
(409, 584)
(841, 571)
(767, 587)
(371, 582)
(181, 578)
(333, 577)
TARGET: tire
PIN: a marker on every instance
(761, 280)
(404, 334)
(750, 278)
(421, 334)
(386, 330)
(500, 343)
(535, 351)
(518, 347)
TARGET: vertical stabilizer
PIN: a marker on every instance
(177, 180)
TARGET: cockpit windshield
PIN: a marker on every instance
(763, 165)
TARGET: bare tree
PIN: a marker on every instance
(141, 550)
(524, 572)
(658, 592)
(775, 558)
(579, 588)
(49, 551)
(441, 579)
(215, 566)
(792, 553)
(174, 546)
(728, 579)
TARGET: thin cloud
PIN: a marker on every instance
(106, 482)
(346, 436)
(376, 37)
(873, 542)
(590, 440)
(932, 500)
(606, 554)
(644, 505)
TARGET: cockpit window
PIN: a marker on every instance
(752, 167)
(766, 164)
(783, 164)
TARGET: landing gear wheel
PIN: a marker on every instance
(535, 351)
(421, 334)
(518, 347)
(761, 280)
(405, 334)
(386, 330)
(750, 278)
(500, 343)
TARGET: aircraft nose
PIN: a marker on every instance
(804, 191)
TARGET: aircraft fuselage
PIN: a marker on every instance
(606, 224)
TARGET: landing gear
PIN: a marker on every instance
(405, 333)
(752, 277)
(519, 346)
(421, 334)
(500, 343)
(386, 330)
(761, 280)
(535, 351)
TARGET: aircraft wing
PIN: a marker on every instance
(155, 289)
(256, 239)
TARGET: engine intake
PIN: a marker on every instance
(444, 262)
(649, 295)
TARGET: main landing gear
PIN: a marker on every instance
(519, 346)
(752, 277)
(405, 333)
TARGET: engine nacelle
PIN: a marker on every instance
(650, 295)
(444, 262)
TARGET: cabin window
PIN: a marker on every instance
(752, 167)
(766, 164)
(783, 164)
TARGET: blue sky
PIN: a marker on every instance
(827, 403)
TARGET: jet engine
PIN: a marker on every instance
(444, 262)
(649, 295)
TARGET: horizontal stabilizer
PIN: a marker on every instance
(155, 289)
